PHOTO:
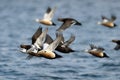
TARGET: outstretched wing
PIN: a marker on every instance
(105, 19)
(113, 18)
(55, 43)
(49, 13)
(40, 40)
(62, 40)
(36, 35)
(100, 48)
(93, 46)
(68, 42)
(48, 39)
(64, 26)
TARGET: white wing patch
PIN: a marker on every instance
(23, 50)
(33, 47)
(105, 20)
(45, 45)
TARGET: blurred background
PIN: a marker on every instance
(17, 25)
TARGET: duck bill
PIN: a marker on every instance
(115, 25)
(105, 55)
(78, 23)
(53, 24)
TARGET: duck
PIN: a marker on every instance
(38, 39)
(64, 45)
(108, 22)
(118, 44)
(67, 22)
(47, 19)
(48, 50)
(97, 51)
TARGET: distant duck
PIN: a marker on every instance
(64, 45)
(48, 49)
(67, 22)
(47, 19)
(97, 51)
(37, 42)
(118, 44)
(108, 22)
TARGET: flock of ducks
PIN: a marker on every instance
(42, 44)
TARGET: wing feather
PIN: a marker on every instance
(55, 43)
(40, 40)
(113, 18)
(36, 35)
(49, 13)
(68, 42)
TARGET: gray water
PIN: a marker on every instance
(17, 25)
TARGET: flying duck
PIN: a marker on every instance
(48, 49)
(64, 45)
(108, 22)
(118, 44)
(37, 42)
(67, 22)
(47, 19)
(97, 51)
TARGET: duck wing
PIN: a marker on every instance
(36, 35)
(113, 18)
(105, 19)
(48, 39)
(40, 40)
(64, 26)
(55, 43)
(49, 13)
(71, 39)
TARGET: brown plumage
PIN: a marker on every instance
(34, 38)
(64, 49)
(47, 19)
(25, 46)
(48, 51)
(64, 45)
(67, 22)
(38, 39)
(108, 22)
(97, 51)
